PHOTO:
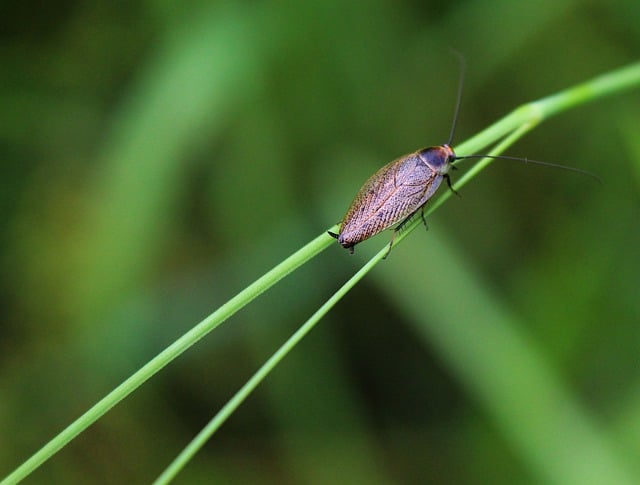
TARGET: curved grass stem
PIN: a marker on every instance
(508, 129)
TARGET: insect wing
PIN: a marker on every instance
(389, 196)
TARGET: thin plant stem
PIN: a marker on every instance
(229, 408)
(512, 126)
(168, 354)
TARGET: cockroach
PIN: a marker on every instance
(396, 192)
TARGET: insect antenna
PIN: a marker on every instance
(537, 162)
(459, 96)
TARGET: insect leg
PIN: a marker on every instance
(393, 237)
(424, 220)
(448, 179)
(401, 226)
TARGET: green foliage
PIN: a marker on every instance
(156, 161)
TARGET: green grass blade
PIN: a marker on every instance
(218, 420)
(512, 126)
(170, 353)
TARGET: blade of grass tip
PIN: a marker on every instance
(211, 322)
(232, 405)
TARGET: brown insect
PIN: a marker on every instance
(396, 192)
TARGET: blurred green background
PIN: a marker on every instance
(159, 156)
